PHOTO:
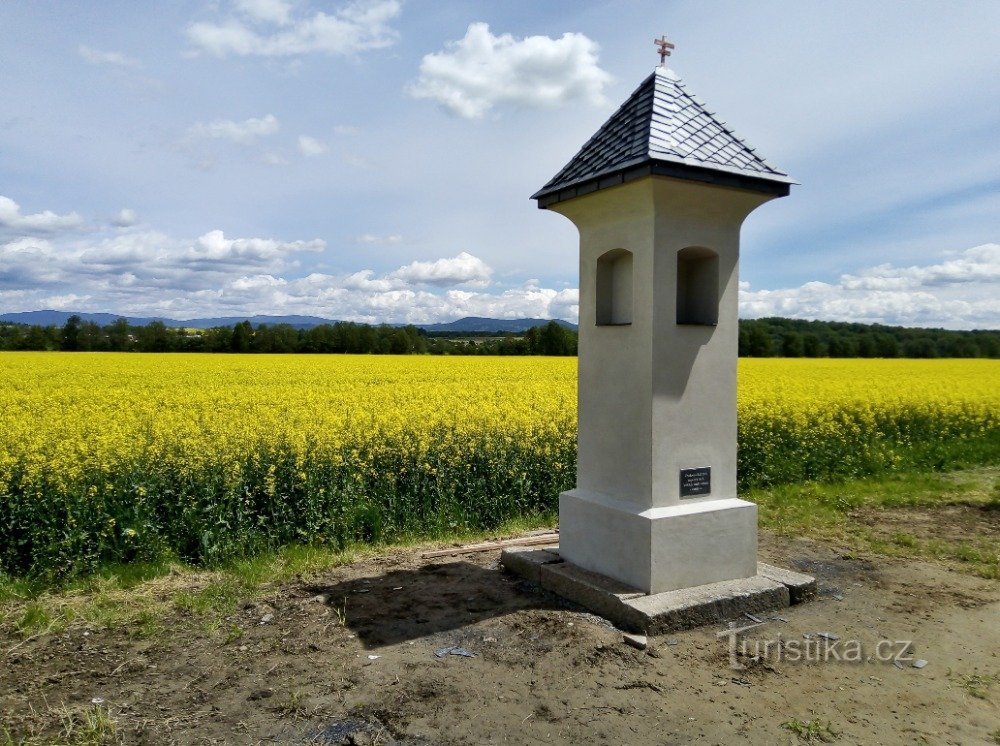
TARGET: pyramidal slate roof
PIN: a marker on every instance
(662, 129)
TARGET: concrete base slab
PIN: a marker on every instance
(528, 562)
(709, 604)
(800, 587)
(631, 609)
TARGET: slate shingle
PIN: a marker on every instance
(662, 128)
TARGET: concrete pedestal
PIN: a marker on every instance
(656, 550)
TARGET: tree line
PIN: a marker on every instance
(77, 335)
(770, 337)
(778, 337)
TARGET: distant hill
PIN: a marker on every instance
(299, 322)
(58, 318)
(480, 324)
(468, 324)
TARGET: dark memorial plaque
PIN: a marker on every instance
(696, 482)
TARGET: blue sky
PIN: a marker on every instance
(373, 160)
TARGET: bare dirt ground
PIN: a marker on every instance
(350, 657)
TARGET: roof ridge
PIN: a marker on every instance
(725, 126)
(662, 122)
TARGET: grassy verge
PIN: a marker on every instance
(92, 725)
(952, 516)
(137, 597)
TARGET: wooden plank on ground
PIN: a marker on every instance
(526, 541)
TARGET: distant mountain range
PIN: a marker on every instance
(480, 324)
(467, 324)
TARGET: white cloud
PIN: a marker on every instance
(959, 293)
(145, 272)
(480, 71)
(257, 282)
(977, 265)
(125, 218)
(364, 297)
(69, 301)
(140, 253)
(214, 247)
(142, 264)
(463, 269)
(99, 57)
(28, 262)
(517, 303)
(310, 146)
(39, 222)
(365, 280)
(242, 133)
(376, 239)
(265, 11)
(355, 27)
(346, 129)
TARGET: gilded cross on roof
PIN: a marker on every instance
(665, 47)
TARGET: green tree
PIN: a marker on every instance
(841, 345)
(867, 346)
(71, 334)
(242, 337)
(153, 337)
(91, 337)
(812, 346)
(792, 344)
(43, 338)
(551, 339)
(118, 335)
(759, 341)
(919, 347)
(886, 345)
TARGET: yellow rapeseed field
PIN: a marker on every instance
(819, 418)
(114, 457)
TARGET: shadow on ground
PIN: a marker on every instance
(408, 604)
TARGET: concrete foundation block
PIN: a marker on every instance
(599, 594)
(630, 609)
(709, 604)
(800, 587)
(527, 562)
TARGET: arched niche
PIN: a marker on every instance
(614, 288)
(697, 286)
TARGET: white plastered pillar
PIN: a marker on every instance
(657, 398)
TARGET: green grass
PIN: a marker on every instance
(979, 685)
(93, 725)
(811, 730)
(820, 503)
(138, 597)
(877, 515)
(867, 515)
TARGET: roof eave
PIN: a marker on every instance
(778, 185)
